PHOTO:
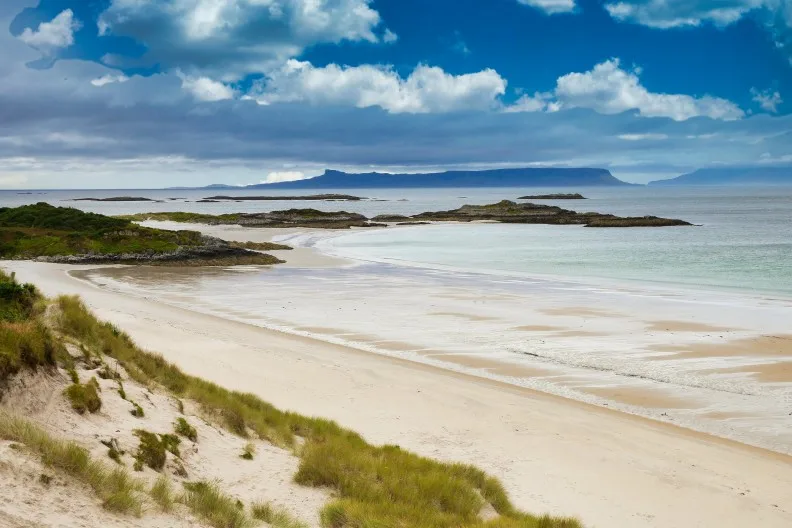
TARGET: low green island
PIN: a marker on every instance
(59, 234)
(505, 211)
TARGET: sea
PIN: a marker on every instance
(688, 325)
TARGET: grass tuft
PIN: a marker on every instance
(162, 493)
(84, 397)
(119, 493)
(276, 517)
(183, 428)
(218, 510)
(150, 451)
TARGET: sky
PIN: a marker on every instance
(155, 93)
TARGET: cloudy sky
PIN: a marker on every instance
(149, 93)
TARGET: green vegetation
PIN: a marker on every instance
(118, 491)
(210, 504)
(113, 450)
(183, 428)
(84, 397)
(192, 218)
(162, 493)
(137, 410)
(374, 486)
(276, 517)
(44, 230)
(150, 451)
(248, 452)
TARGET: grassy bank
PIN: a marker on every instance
(375, 485)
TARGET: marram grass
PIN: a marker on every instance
(374, 486)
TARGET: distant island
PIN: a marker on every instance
(558, 196)
(733, 176)
(115, 199)
(310, 197)
(521, 177)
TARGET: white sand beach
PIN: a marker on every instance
(553, 455)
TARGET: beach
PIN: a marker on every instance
(553, 454)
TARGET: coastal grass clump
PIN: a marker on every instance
(183, 428)
(261, 246)
(208, 502)
(84, 397)
(374, 485)
(274, 516)
(151, 451)
(117, 490)
(162, 494)
(24, 341)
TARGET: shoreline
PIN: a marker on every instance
(513, 432)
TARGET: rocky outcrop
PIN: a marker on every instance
(214, 252)
(304, 218)
(510, 212)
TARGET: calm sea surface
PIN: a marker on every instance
(743, 241)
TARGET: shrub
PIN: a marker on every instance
(84, 397)
(183, 428)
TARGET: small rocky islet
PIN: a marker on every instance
(505, 211)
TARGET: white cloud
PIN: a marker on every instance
(228, 39)
(206, 89)
(54, 35)
(609, 89)
(389, 37)
(643, 137)
(768, 100)
(284, 176)
(427, 89)
(551, 6)
(109, 79)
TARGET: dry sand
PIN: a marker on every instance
(553, 455)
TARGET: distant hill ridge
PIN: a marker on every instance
(733, 176)
(521, 177)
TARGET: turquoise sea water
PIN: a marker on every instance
(743, 240)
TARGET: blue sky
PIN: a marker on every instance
(128, 93)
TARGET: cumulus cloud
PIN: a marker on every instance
(675, 13)
(427, 89)
(609, 89)
(109, 79)
(228, 39)
(551, 7)
(52, 36)
(767, 99)
(206, 89)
